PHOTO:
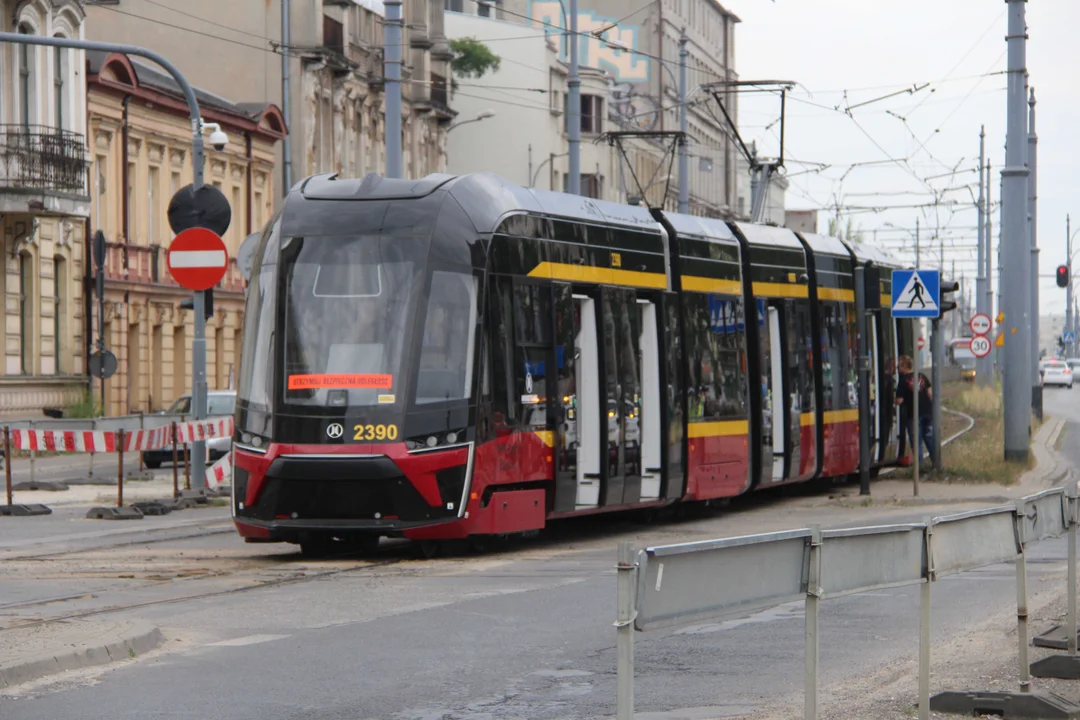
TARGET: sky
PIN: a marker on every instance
(904, 150)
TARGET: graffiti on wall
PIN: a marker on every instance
(601, 52)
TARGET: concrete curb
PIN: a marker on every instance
(140, 638)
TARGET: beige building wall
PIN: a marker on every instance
(43, 209)
(335, 97)
(145, 327)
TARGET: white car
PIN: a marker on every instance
(1057, 372)
(219, 403)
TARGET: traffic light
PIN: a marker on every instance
(1063, 276)
(947, 303)
(208, 304)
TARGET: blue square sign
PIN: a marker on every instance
(916, 293)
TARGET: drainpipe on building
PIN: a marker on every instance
(247, 142)
(286, 150)
(88, 304)
(125, 181)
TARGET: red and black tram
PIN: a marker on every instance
(460, 356)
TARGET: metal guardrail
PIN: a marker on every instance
(672, 585)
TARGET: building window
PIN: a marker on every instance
(454, 5)
(26, 79)
(484, 8)
(59, 70)
(591, 185)
(59, 315)
(26, 312)
(153, 208)
(102, 186)
(132, 227)
(592, 108)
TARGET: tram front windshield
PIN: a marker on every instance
(346, 320)
(350, 305)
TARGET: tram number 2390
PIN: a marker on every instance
(375, 432)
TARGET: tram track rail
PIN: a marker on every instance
(293, 579)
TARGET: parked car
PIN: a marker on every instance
(1057, 372)
(219, 403)
(1074, 364)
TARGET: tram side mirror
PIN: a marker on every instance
(245, 256)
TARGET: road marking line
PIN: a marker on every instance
(248, 640)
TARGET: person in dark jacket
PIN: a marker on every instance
(905, 398)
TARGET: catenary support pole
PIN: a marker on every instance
(1016, 251)
(198, 351)
(984, 367)
(938, 350)
(392, 68)
(1033, 227)
(286, 58)
(864, 380)
(1071, 346)
(573, 102)
(684, 149)
(624, 640)
(916, 448)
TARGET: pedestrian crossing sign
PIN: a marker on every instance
(916, 293)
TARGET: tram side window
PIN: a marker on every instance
(716, 350)
(838, 356)
(532, 322)
(255, 364)
(501, 334)
(447, 348)
(800, 357)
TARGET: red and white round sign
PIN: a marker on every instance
(980, 346)
(921, 343)
(980, 324)
(197, 259)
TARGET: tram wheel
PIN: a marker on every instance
(430, 548)
(316, 546)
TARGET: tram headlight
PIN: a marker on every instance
(434, 441)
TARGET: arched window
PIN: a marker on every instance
(26, 78)
(60, 70)
(26, 312)
(59, 315)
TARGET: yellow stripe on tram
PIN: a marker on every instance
(720, 428)
(693, 283)
(598, 275)
(836, 294)
(780, 290)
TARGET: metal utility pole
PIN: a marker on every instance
(684, 159)
(984, 367)
(198, 352)
(1070, 346)
(573, 102)
(1032, 184)
(938, 350)
(286, 148)
(392, 71)
(864, 380)
(1016, 250)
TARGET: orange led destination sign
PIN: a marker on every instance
(320, 382)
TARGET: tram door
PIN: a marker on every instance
(774, 429)
(577, 448)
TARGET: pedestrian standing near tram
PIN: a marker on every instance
(905, 398)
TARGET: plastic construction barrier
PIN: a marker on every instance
(79, 441)
(219, 474)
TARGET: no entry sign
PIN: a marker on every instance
(197, 259)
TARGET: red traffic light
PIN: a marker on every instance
(1063, 275)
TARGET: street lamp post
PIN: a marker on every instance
(484, 115)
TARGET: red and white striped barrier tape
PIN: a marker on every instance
(77, 441)
(63, 440)
(220, 473)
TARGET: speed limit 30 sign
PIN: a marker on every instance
(980, 346)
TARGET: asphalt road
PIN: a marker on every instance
(522, 634)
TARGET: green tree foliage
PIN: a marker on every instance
(472, 58)
(851, 233)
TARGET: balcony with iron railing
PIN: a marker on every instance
(42, 158)
(145, 265)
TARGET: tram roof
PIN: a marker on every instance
(826, 245)
(770, 236)
(707, 228)
(865, 251)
